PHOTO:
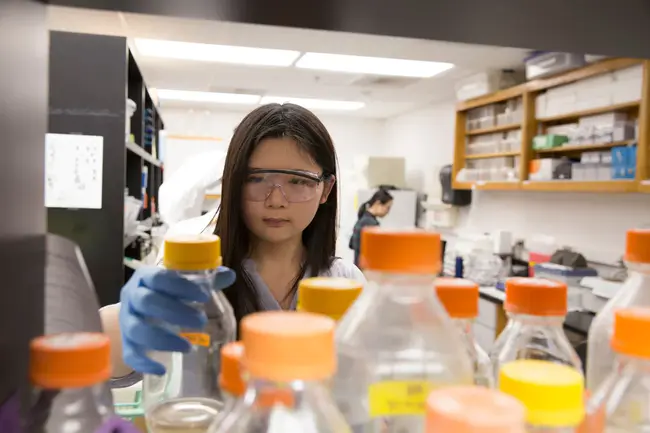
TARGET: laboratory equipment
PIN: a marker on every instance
(634, 293)
(460, 299)
(536, 309)
(483, 266)
(289, 358)
(622, 403)
(326, 295)
(195, 373)
(397, 343)
(469, 409)
(553, 394)
(69, 372)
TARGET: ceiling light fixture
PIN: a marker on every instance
(216, 53)
(314, 104)
(372, 65)
(218, 98)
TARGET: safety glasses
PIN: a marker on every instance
(296, 186)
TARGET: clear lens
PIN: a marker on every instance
(296, 187)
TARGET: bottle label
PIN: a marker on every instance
(197, 338)
(398, 398)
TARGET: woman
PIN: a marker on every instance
(277, 224)
(377, 207)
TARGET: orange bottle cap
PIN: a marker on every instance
(536, 297)
(230, 378)
(473, 410)
(458, 296)
(70, 360)
(400, 251)
(329, 296)
(192, 252)
(283, 346)
(637, 246)
(631, 330)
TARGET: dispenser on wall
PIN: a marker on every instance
(451, 196)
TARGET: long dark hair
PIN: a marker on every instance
(381, 195)
(319, 238)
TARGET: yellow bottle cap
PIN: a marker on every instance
(192, 253)
(552, 393)
(329, 296)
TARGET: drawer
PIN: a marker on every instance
(484, 336)
(487, 313)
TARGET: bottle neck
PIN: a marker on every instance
(637, 269)
(294, 394)
(393, 284)
(544, 321)
(85, 406)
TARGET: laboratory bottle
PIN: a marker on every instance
(69, 373)
(327, 295)
(397, 342)
(622, 402)
(473, 409)
(460, 299)
(194, 374)
(536, 309)
(231, 379)
(553, 394)
(289, 358)
(635, 292)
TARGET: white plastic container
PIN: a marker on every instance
(131, 106)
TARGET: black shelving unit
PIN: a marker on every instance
(91, 77)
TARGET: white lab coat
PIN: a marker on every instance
(181, 196)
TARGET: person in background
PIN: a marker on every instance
(377, 207)
(277, 224)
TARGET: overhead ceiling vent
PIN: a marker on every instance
(385, 82)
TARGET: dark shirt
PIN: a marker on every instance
(366, 220)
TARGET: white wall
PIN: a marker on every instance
(354, 139)
(593, 223)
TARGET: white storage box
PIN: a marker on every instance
(546, 64)
(485, 83)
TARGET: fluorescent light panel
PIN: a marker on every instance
(315, 104)
(216, 53)
(372, 65)
(218, 98)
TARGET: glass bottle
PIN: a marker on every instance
(553, 394)
(69, 373)
(460, 299)
(327, 295)
(634, 293)
(231, 381)
(397, 342)
(622, 403)
(289, 358)
(536, 308)
(471, 409)
(193, 374)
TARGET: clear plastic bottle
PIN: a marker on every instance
(326, 295)
(69, 374)
(289, 358)
(536, 308)
(397, 342)
(634, 293)
(622, 403)
(460, 299)
(471, 409)
(193, 374)
(553, 394)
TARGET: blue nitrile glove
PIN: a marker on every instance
(159, 295)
